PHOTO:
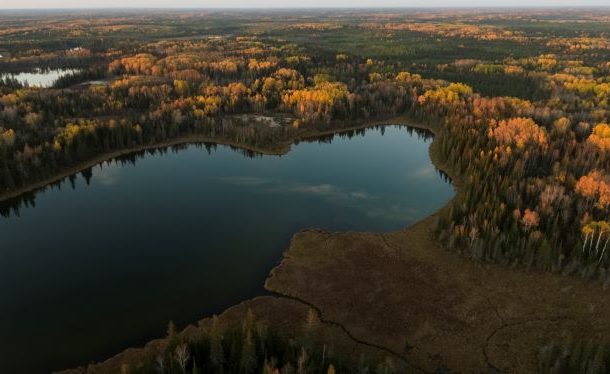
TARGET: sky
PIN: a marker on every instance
(43, 4)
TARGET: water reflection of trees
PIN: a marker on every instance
(422, 134)
(28, 199)
(13, 206)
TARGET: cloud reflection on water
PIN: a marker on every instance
(395, 207)
(107, 175)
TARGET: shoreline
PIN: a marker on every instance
(282, 149)
(279, 149)
(486, 307)
(103, 157)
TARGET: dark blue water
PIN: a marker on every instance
(96, 267)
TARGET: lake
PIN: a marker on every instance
(40, 78)
(103, 260)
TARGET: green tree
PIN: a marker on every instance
(216, 350)
(247, 362)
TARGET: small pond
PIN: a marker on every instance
(40, 78)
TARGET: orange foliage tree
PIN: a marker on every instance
(601, 136)
(519, 131)
(595, 186)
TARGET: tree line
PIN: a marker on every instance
(535, 190)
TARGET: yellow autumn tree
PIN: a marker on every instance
(600, 137)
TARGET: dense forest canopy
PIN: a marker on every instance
(524, 104)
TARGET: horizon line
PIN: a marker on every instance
(318, 7)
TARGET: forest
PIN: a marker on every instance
(519, 102)
(255, 347)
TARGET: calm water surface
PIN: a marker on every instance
(41, 78)
(96, 267)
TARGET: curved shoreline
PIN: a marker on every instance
(485, 307)
(103, 157)
(279, 149)
(466, 312)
